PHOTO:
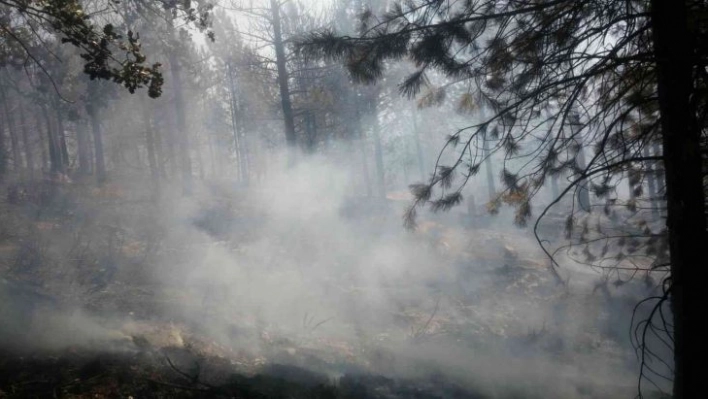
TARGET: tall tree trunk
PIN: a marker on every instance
(97, 145)
(650, 175)
(362, 150)
(582, 189)
(150, 145)
(180, 110)
(83, 149)
(55, 163)
(44, 147)
(310, 131)
(159, 152)
(378, 155)
(14, 142)
(674, 45)
(3, 154)
(61, 136)
(488, 166)
(26, 142)
(170, 141)
(280, 61)
(235, 125)
(418, 146)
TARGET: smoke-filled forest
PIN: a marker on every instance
(353, 199)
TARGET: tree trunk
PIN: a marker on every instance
(44, 147)
(97, 145)
(310, 131)
(582, 189)
(3, 154)
(150, 145)
(83, 149)
(181, 117)
(280, 60)
(650, 175)
(14, 142)
(61, 137)
(26, 142)
(362, 151)
(488, 166)
(234, 125)
(55, 163)
(159, 152)
(686, 218)
(418, 146)
(378, 155)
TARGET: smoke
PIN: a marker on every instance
(298, 269)
(297, 263)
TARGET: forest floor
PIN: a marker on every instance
(69, 248)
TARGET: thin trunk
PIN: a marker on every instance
(55, 163)
(213, 156)
(26, 142)
(659, 174)
(362, 153)
(159, 154)
(310, 131)
(44, 147)
(651, 183)
(3, 154)
(97, 145)
(582, 190)
(418, 146)
(83, 149)
(170, 139)
(181, 116)
(491, 187)
(200, 160)
(14, 142)
(378, 154)
(234, 124)
(61, 137)
(280, 60)
(150, 144)
(686, 218)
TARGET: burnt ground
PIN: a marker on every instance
(94, 254)
(88, 374)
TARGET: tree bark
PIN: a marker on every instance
(150, 145)
(17, 160)
(362, 150)
(26, 142)
(378, 155)
(55, 163)
(181, 115)
(3, 154)
(97, 145)
(488, 166)
(83, 149)
(582, 189)
(418, 146)
(686, 218)
(61, 136)
(650, 175)
(280, 60)
(235, 126)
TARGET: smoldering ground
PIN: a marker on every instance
(300, 270)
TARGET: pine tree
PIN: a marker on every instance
(574, 88)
